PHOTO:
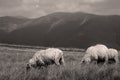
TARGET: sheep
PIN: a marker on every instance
(113, 55)
(46, 57)
(95, 53)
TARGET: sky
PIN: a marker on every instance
(38, 8)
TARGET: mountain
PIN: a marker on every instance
(9, 24)
(67, 30)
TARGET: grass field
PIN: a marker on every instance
(13, 62)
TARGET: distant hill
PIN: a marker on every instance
(65, 30)
(9, 24)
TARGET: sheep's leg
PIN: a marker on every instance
(116, 60)
(96, 61)
(57, 61)
(106, 60)
(62, 61)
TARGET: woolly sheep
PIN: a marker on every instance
(46, 57)
(94, 53)
(113, 54)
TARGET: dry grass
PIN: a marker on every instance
(13, 62)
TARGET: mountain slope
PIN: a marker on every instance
(68, 30)
(9, 24)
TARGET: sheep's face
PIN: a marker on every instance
(86, 60)
(28, 66)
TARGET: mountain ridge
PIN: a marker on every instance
(67, 30)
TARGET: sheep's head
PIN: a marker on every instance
(30, 64)
(86, 59)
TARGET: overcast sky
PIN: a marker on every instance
(37, 8)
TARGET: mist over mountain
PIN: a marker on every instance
(62, 29)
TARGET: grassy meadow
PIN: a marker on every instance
(13, 62)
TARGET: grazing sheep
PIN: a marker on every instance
(113, 55)
(46, 57)
(95, 53)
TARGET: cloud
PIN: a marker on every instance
(37, 8)
(93, 1)
(108, 7)
(9, 3)
(30, 2)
